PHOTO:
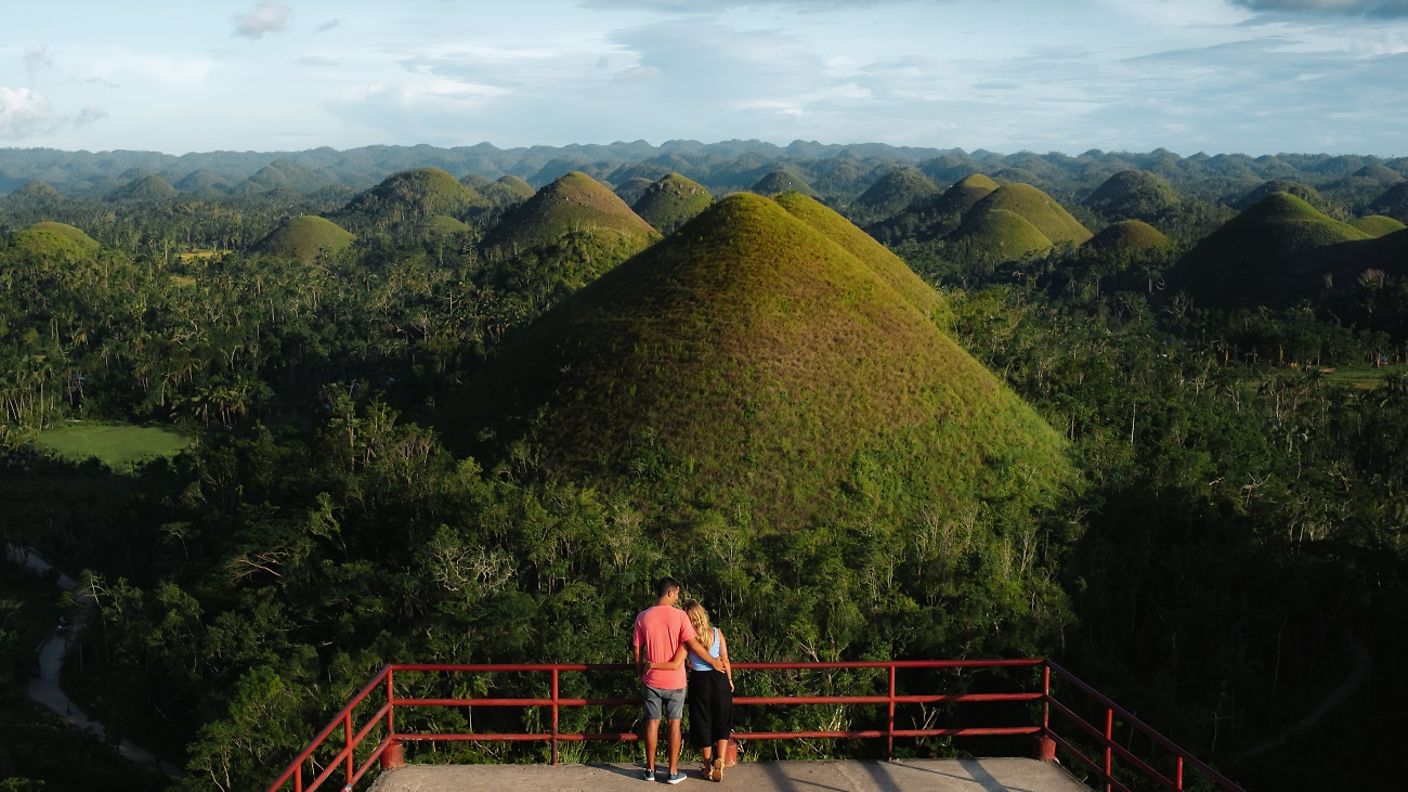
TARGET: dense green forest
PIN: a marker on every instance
(1144, 414)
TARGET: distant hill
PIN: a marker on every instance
(752, 363)
(144, 188)
(305, 238)
(1393, 202)
(1302, 191)
(202, 181)
(35, 191)
(1133, 194)
(937, 215)
(1377, 225)
(574, 203)
(282, 175)
(672, 201)
(781, 181)
(632, 189)
(1127, 237)
(507, 191)
(1037, 208)
(1265, 255)
(411, 197)
(58, 240)
(895, 192)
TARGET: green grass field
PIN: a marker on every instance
(1363, 378)
(119, 446)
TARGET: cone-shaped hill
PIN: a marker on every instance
(1133, 194)
(202, 181)
(672, 201)
(1393, 202)
(994, 235)
(507, 191)
(144, 188)
(1037, 208)
(35, 191)
(305, 238)
(1377, 225)
(895, 192)
(781, 181)
(56, 240)
(575, 203)
(1264, 256)
(754, 364)
(1127, 237)
(411, 197)
(965, 194)
(632, 189)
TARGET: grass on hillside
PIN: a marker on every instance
(305, 237)
(995, 235)
(1128, 236)
(574, 203)
(49, 238)
(1037, 208)
(754, 363)
(1363, 377)
(1377, 225)
(119, 446)
(672, 201)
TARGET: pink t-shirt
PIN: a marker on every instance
(662, 630)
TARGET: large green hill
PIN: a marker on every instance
(1265, 255)
(1300, 190)
(1037, 208)
(508, 191)
(57, 240)
(753, 364)
(1377, 225)
(305, 238)
(1127, 237)
(672, 201)
(995, 235)
(1133, 194)
(574, 203)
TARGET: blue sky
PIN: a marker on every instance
(1255, 76)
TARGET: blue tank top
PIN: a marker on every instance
(696, 664)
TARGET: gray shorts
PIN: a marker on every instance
(655, 699)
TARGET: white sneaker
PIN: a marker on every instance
(675, 779)
(649, 774)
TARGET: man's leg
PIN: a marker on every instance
(674, 746)
(652, 739)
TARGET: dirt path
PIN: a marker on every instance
(45, 688)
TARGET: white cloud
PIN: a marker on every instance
(24, 113)
(89, 116)
(267, 17)
(328, 25)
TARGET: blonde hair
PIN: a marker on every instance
(700, 619)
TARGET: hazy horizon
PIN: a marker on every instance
(1218, 76)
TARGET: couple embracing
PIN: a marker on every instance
(666, 641)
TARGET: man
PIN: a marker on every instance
(659, 633)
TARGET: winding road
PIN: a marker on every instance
(45, 688)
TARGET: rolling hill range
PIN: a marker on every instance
(1269, 254)
(145, 188)
(672, 201)
(305, 238)
(760, 362)
(1393, 202)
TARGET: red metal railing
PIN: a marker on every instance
(388, 749)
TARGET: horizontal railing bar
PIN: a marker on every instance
(1132, 720)
(1070, 748)
(371, 724)
(838, 664)
(738, 701)
(1149, 771)
(839, 734)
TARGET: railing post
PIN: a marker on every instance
(890, 730)
(1109, 752)
(1178, 773)
(393, 757)
(298, 778)
(351, 751)
(1046, 698)
(554, 717)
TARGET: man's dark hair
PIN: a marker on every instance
(665, 586)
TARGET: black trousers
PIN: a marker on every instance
(710, 708)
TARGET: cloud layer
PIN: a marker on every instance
(1381, 8)
(267, 17)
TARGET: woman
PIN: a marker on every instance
(710, 692)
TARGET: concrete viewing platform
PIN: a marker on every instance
(913, 775)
